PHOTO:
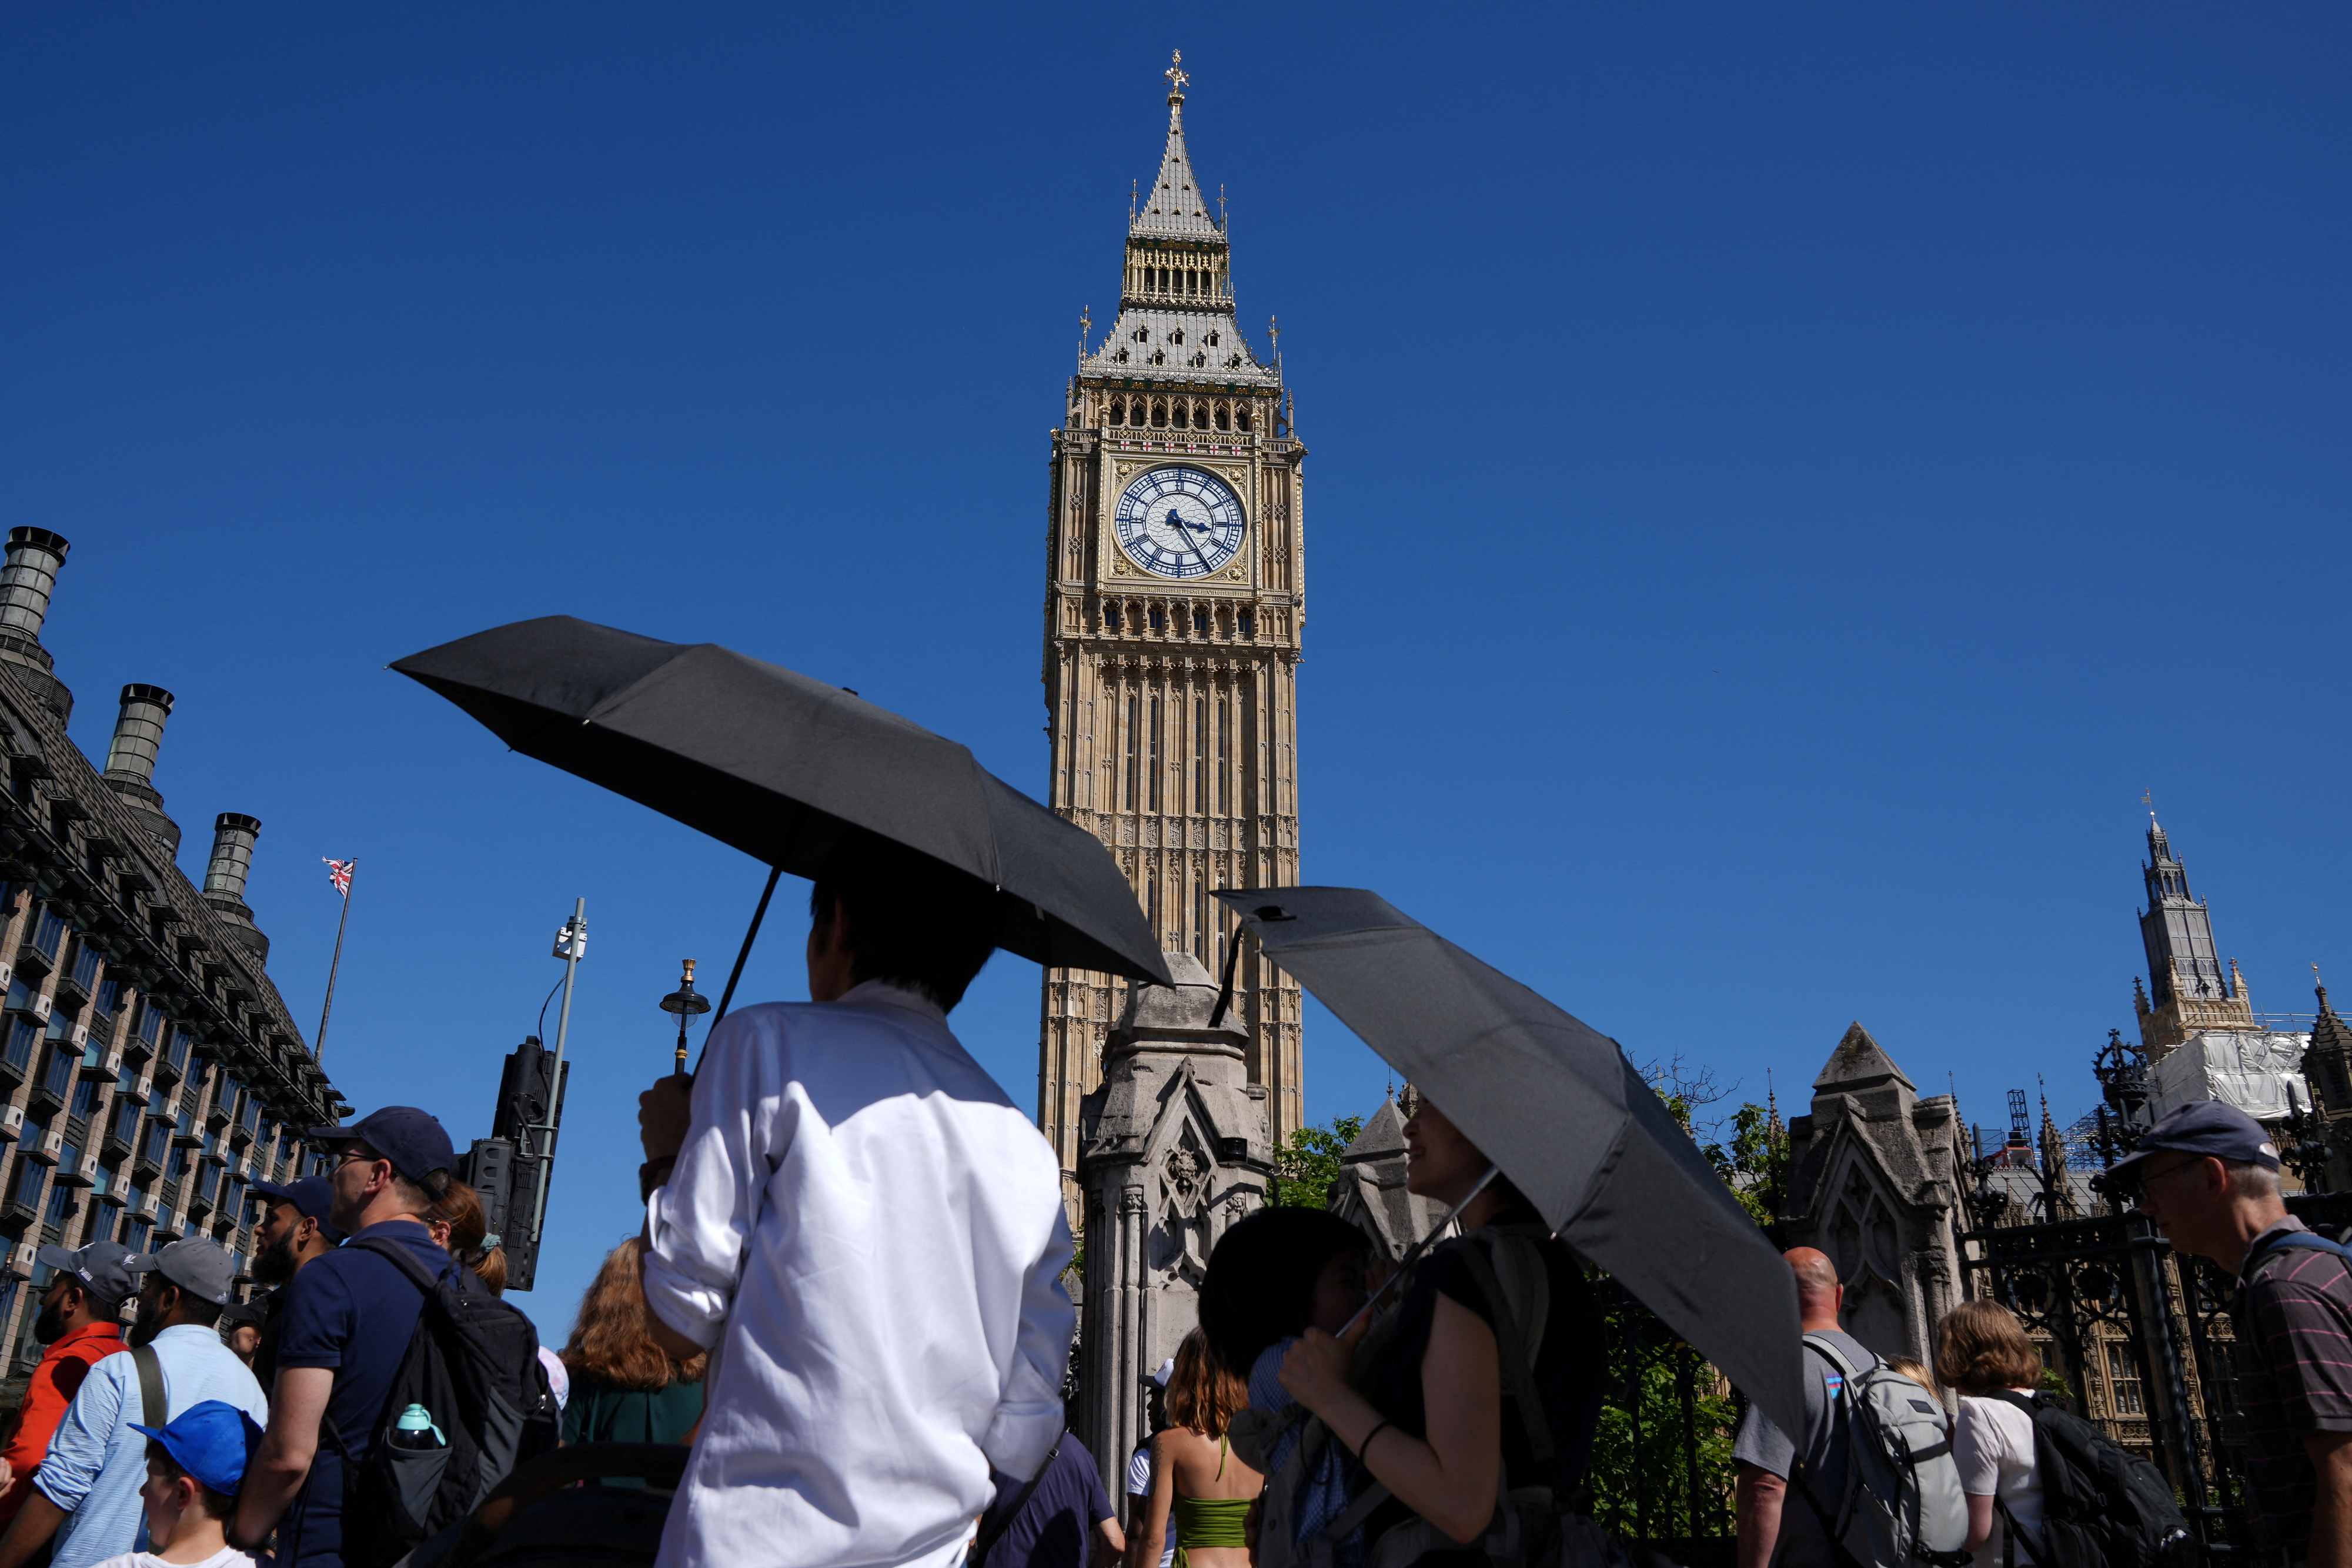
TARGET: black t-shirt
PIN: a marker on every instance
(1567, 1372)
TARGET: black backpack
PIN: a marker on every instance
(2103, 1506)
(473, 1372)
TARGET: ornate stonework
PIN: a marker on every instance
(1170, 667)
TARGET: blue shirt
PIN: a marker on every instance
(95, 1464)
(354, 1312)
(1055, 1525)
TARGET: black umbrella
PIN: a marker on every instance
(1559, 1109)
(779, 765)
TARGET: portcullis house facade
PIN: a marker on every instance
(149, 1069)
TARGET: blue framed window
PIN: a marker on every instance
(60, 1200)
(109, 997)
(85, 1097)
(49, 931)
(58, 1079)
(157, 1144)
(178, 1052)
(151, 1022)
(20, 992)
(175, 1163)
(25, 1188)
(24, 1034)
(126, 1121)
(85, 965)
(110, 1187)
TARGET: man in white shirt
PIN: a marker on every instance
(866, 1236)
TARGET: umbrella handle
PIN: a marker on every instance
(1418, 1248)
(736, 973)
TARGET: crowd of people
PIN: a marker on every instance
(845, 1319)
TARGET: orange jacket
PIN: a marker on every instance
(55, 1381)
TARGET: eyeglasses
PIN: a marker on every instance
(2140, 1190)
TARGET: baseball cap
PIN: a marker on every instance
(413, 1140)
(242, 1312)
(1163, 1373)
(311, 1196)
(213, 1441)
(2207, 1127)
(200, 1268)
(98, 1265)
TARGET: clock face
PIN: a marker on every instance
(1179, 522)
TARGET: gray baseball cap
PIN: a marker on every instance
(99, 1268)
(200, 1268)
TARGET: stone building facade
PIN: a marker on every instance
(1173, 611)
(149, 1069)
(1875, 1180)
(1173, 1150)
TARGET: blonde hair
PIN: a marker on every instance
(1980, 1346)
(1202, 1394)
(1914, 1371)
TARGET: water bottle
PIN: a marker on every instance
(415, 1429)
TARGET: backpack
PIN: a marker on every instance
(2103, 1506)
(469, 1403)
(1903, 1501)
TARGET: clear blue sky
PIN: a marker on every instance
(1784, 481)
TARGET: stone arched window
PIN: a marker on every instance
(1242, 420)
(1177, 336)
(1110, 616)
(1225, 417)
(1200, 361)
(1117, 415)
(1212, 339)
(1159, 416)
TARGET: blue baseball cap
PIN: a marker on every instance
(413, 1140)
(313, 1196)
(213, 1441)
(2207, 1127)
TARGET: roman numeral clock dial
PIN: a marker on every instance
(1179, 522)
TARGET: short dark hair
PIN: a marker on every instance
(220, 1505)
(1261, 1280)
(913, 921)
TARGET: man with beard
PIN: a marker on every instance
(295, 1229)
(77, 1322)
(88, 1484)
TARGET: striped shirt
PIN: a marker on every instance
(2295, 1376)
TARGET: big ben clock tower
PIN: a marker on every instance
(1173, 608)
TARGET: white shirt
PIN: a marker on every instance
(1138, 1484)
(1994, 1450)
(227, 1557)
(868, 1236)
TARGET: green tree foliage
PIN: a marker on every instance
(1643, 1489)
(1304, 1171)
(1752, 1158)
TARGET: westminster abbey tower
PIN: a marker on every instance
(1173, 607)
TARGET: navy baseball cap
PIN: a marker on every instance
(311, 1196)
(98, 1267)
(213, 1441)
(413, 1140)
(2207, 1127)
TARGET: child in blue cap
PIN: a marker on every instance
(195, 1465)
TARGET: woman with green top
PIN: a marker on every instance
(624, 1387)
(1194, 1474)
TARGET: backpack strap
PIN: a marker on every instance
(1518, 1378)
(2277, 1244)
(399, 1258)
(151, 1384)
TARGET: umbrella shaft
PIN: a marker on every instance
(1421, 1247)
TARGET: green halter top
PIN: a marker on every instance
(1208, 1521)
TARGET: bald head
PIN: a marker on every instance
(1819, 1294)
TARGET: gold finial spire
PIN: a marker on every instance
(1177, 80)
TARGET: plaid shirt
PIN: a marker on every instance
(2295, 1376)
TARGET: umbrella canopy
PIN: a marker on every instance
(779, 765)
(1558, 1107)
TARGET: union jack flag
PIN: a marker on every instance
(340, 873)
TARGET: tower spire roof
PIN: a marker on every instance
(1175, 209)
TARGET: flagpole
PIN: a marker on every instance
(319, 1047)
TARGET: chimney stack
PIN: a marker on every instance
(131, 759)
(26, 581)
(233, 840)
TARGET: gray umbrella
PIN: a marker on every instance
(1556, 1105)
(780, 764)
